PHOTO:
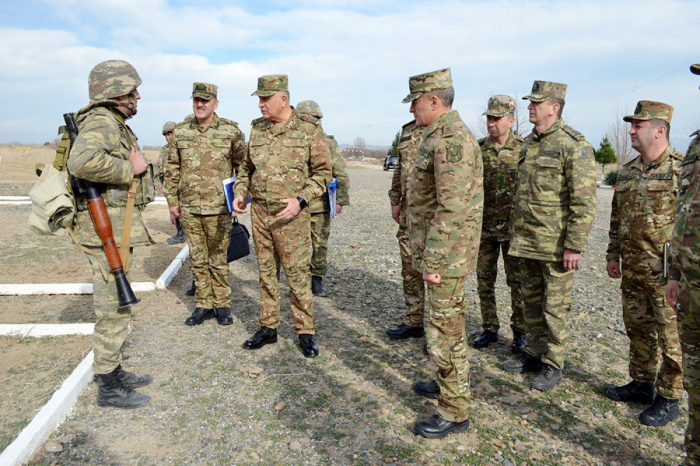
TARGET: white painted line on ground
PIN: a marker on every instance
(45, 330)
(15, 202)
(172, 270)
(61, 288)
(49, 417)
(26, 198)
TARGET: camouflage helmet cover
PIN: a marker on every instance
(112, 78)
(309, 107)
(169, 127)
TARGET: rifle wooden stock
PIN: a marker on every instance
(103, 227)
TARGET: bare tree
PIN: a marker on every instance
(618, 133)
(360, 143)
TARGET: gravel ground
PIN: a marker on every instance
(215, 403)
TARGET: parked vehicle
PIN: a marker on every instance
(390, 162)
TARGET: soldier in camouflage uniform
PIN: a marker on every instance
(106, 152)
(444, 221)
(413, 286)
(550, 223)
(286, 166)
(168, 128)
(203, 152)
(641, 222)
(320, 207)
(683, 288)
(500, 152)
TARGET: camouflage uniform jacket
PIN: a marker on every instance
(500, 184)
(643, 213)
(684, 242)
(411, 137)
(101, 154)
(284, 163)
(199, 159)
(162, 160)
(446, 198)
(339, 171)
(556, 199)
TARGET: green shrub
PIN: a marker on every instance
(611, 177)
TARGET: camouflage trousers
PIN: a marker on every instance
(447, 344)
(320, 232)
(486, 273)
(208, 237)
(413, 285)
(112, 323)
(285, 243)
(546, 289)
(689, 330)
(651, 325)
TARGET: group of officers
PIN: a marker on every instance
(459, 203)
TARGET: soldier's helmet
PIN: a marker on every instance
(112, 78)
(309, 107)
(169, 127)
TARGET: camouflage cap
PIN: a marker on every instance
(112, 78)
(500, 105)
(695, 69)
(169, 127)
(650, 110)
(543, 90)
(428, 82)
(309, 107)
(271, 84)
(204, 91)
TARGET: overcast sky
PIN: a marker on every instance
(353, 57)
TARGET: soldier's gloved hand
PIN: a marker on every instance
(239, 205)
(571, 259)
(396, 213)
(174, 214)
(138, 160)
(292, 210)
(671, 293)
(613, 269)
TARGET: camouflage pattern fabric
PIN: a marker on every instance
(413, 285)
(271, 84)
(204, 91)
(546, 289)
(556, 198)
(686, 262)
(500, 182)
(100, 154)
(543, 90)
(320, 232)
(500, 106)
(650, 110)
(641, 222)
(428, 82)
(339, 170)
(112, 78)
(444, 220)
(162, 160)
(209, 237)
(447, 346)
(284, 163)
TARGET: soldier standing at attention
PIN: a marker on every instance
(683, 288)
(550, 223)
(641, 222)
(100, 155)
(202, 154)
(320, 207)
(168, 128)
(500, 152)
(413, 286)
(444, 221)
(286, 166)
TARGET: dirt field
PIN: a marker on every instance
(215, 403)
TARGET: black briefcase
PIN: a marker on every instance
(239, 245)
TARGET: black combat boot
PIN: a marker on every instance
(179, 236)
(308, 348)
(262, 337)
(524, 363)
(437, 427)
(427, 389)
(112, 392)
(317, 287)
(549, 377)
(485, 339)
(403, 331)
(191, 290)
(223, 315)
(199, 315)
(641, 392)
(131, 380)
(518, 345)
(661, 412)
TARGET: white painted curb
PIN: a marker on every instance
(45, 330)
(172, 270)
(49, 417)
(61, 288)
(26, 198)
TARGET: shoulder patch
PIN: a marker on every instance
(454, 152)
(573, 133)
(311, 119)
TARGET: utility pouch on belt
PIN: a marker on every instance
(239, 245)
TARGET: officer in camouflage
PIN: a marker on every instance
(101, 154)
(500, 151)
(413, 286)
(444, 222)
(550, 223)
(683, 288)
(203, 152)
(641, 223)
(320, 207)
(168, 128)
(286, 166)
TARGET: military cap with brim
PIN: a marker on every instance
(500, 105)
(543, 90)
(428, 82)
(650, 110)
(271, 84)
(204, 91)
(695, 69)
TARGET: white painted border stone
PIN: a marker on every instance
(49, 417)
(45, 330)
(172, 270)
(61, 288)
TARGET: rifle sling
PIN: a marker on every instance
(130, 200)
